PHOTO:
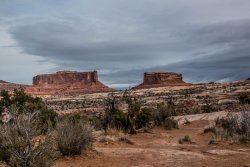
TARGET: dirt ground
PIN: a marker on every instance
(161, 149)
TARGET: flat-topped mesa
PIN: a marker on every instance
(67, 82)
(161, 79)
(66, 77)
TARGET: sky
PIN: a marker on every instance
(206, 40)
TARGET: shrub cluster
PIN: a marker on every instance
(137, 117)
(22, 145)
(163, 116)
(21, 102)
(244, 99)
(236, 126)
(35, 136)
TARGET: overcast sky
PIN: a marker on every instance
(205, 40)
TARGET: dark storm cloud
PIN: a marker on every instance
(228, 61)
(205, 40)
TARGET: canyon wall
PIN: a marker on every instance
(67, 82)
(63, 82)
(66, 77)
(161, 79)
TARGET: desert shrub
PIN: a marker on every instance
(244, 99)
(18, 146)
(20, 103)
(185, 139)
(208, 108)
(163, 116)
(126, 140)
(236, 125)
(111, 114)
(73, 137)
(212, 141)
(144, 117)
(187, 122)
(170, 124)
(129, 121)
(210, 129)
(47, 119)
(164, 111)
(96, 122)
(5, 100)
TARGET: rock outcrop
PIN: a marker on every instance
(161, 79)
(63, 82)
(10, 86)
(67, 82)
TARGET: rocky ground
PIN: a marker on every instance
(160, 148)
(188, 99)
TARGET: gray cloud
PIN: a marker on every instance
(205, 40)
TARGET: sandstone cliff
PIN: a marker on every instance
(63, 82)
(67, 82)
(161, 79)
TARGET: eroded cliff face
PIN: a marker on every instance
(67, 82)
(161, 79)
(63, 82)
(66, 77)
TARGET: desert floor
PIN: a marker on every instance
(160, 148)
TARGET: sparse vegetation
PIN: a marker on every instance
(236, 126)
(137, 117)
(208, 108)
(244, 99)
(73, 137)
(126, 140)
(20, 103)
(210, 130)
(185, 139)
(22, 145)
(163, 116)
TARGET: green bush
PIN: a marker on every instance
(20, 103)
(163, 115)
(144, 117)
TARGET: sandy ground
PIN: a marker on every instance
(161, 149)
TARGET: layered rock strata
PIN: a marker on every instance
(161, 79)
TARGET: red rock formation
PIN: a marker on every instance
(161, 79)
(67, 82)
(10, 86)
(66, 77)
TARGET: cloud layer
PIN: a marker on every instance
(205, 40)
